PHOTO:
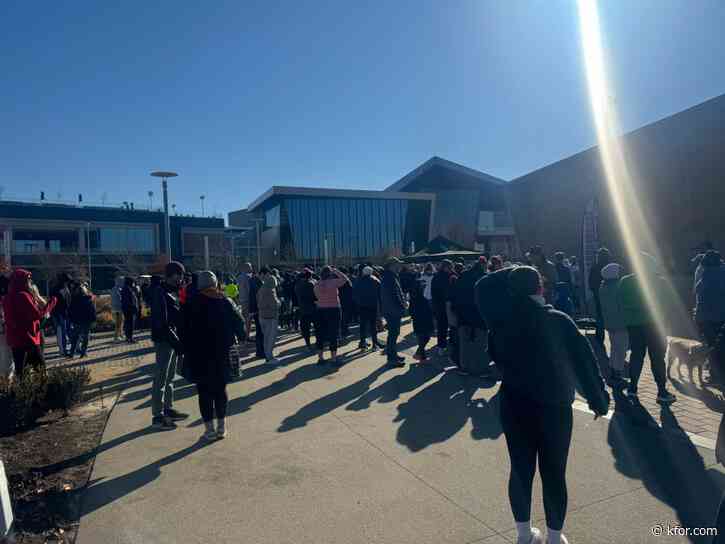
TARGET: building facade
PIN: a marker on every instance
(100, 242)
(305, 225)
(471, 206)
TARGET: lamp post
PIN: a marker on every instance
(88, 247)
(202, 197)
(151, 200)
(259, 244)
(167, 224)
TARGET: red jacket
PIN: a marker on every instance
(22, 313)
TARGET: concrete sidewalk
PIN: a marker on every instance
(368, 455)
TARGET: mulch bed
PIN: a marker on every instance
(48, 467)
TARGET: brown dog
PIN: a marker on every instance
(691, 354)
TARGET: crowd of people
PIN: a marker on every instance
(492, 318)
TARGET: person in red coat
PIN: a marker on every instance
(24, 308)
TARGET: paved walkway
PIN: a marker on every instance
(368, 455)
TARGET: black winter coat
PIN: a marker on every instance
(305, 292)
(420, 310)
(166, 316)
(129, 299)
(367, 292)
(82, 310)
(211, 325)
(440, 289)
(392, 301)
(463, 298)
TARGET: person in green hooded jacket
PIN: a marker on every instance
(644, 335)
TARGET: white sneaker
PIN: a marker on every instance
(222, 433)
(562, 540)
(535, 538)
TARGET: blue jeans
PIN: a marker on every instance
(62, 333)
(79, 335)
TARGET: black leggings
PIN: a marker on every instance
(28, 356)
(643, 339)
(328, 328)
(128, 324)
(441, 325)
(212, 400)
(536, 430)
(306, 321)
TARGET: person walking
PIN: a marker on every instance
(472, 329)
(710, 310)
(268, 306)
(542, 355)
(166, 320)
(305, 293)
(82, 314)
(595, 281)
(131, 307)
(23, 309)
(61, 291)
(212, 324)
(614, 323)
(644, 336)
(440, 294)
(393, 307)
(117, 308)
(255, 284)
(367, 299)
(244, 294)
(328, 312)
(422, 314)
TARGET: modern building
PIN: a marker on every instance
(678, 171)
(471, 206)
(47, 238)
(306, 225)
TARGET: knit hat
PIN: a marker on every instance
(367, 270)
(206, 279)
(524, 280)
(612, 271)
(174, 267)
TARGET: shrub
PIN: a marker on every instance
(65, 387)
(25, 399)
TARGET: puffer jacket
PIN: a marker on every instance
(268, 302)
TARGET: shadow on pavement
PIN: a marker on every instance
(103, 492)
(668, 464)
(329, 402)
(438, 412)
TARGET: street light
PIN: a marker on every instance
(202, 197)
(259, 244)
(167, 224)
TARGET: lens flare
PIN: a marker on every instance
(620, 175)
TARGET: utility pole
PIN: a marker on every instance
(167, 223)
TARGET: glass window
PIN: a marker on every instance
(272, 217)
(45, 241)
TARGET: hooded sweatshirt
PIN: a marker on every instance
(267, 301)
(22, 312)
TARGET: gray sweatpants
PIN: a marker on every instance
(269, 331)
(162, 394)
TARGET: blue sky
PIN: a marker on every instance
(241, 95)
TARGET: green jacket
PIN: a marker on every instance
(634, 306)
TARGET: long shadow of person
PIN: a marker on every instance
(439, 411)
(100, 493)
(294, 378)
(668, 464)
(713, 401)
(326, 404)
(391, 390)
